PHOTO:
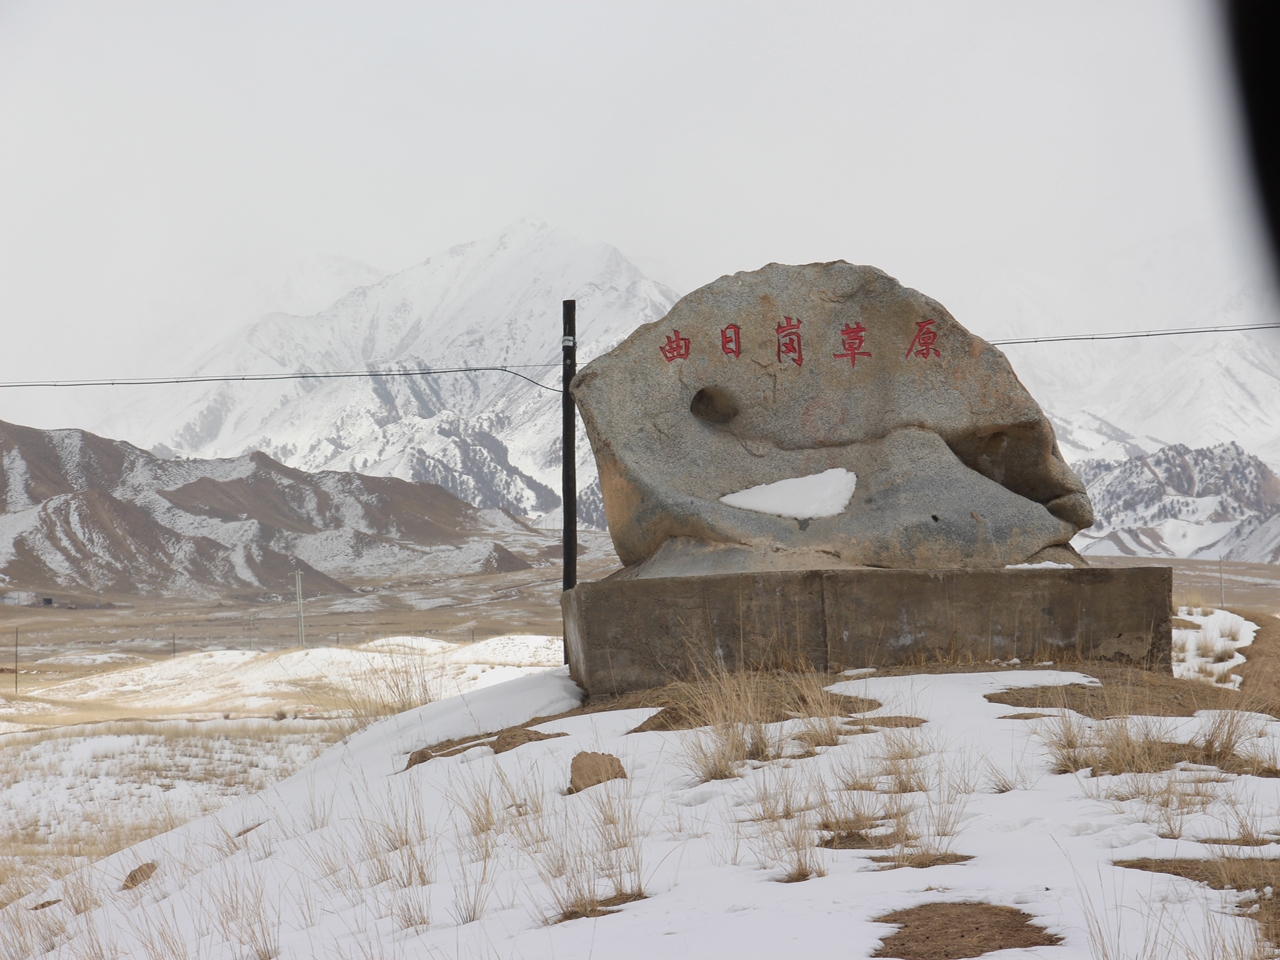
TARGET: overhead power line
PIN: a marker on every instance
(514, 368)
(310, 375)
(1135, 334)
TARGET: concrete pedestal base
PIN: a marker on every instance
(632, 634)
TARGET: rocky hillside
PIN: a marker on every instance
(86, 513)
(1206, 503)
(492, 439)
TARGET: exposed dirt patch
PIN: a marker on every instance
(1243, 873)
(921, 860)
(1156, 756)
(777, 697)
(1139, 693)
(518, 736)
(1261, 670)
(687, 705)
(871, 724)
(600, 908)
(501, 742)
(1024, 716)
(949, 931)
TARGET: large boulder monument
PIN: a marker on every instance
(814, 464)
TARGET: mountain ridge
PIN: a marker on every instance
(88, 513)
(1206, 503)
(491, 439)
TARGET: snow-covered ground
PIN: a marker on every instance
(1212, 651)
(474, 854)
(374, 677)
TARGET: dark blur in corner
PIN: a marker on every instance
(1254, 27)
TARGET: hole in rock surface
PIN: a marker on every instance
(713, 405)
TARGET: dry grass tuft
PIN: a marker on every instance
(590, 869)
(1141, 744)
(742, 697)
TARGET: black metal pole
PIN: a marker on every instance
(569, 462)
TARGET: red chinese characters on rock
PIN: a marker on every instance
(676, 347)
(789, 341)
(922, 345)
(852, 340)
(731, 341)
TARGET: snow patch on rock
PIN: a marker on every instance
(823, 494)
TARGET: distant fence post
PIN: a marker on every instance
(569, 460)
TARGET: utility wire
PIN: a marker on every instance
(322, 375)
(515, 367)
(1134, 334)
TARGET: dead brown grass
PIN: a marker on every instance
(1134, 740)
(1126, 692)
(919, 859)
(771, 698)
(874, 724)
(948, 931)
(1258, 876)
(757, 698)
(598, 908)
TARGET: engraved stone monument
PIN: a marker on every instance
(803, 451)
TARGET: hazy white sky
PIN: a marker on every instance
(161, 162)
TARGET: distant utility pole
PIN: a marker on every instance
(1222, 587)
(569, 460)
(15, 659)
(297, 582)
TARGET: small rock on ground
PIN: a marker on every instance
(589, 769)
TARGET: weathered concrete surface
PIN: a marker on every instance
(1049, 614)
(629, 634)
(790, 371)
(633, 634)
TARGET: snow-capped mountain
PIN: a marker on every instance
(82, 512)
(493, 439)
(1206, 503)
(1113, 399)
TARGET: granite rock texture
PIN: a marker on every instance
(790, 371)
